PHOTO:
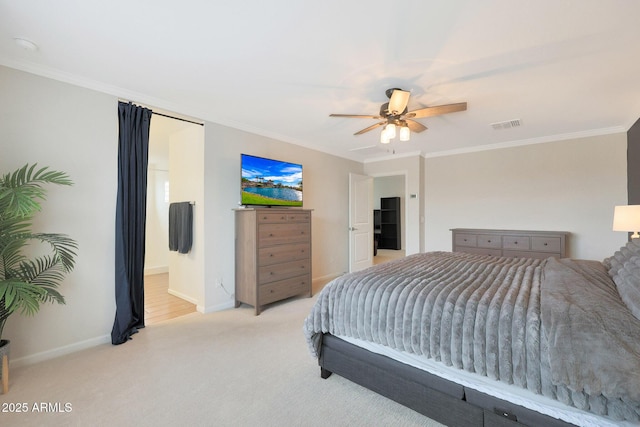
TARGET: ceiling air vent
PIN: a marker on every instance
(508, 124)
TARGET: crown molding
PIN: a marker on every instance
(530, 141)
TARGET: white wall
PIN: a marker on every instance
(73, 130)
(76, 130)
(569, 185)
(156, 258)
(186, 160)
(410, 168)
(157, 228)
(326, 191)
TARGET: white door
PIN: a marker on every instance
(360, 222)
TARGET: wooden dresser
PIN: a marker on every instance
(511, 243)
(273, 255)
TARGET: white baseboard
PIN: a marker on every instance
(218, 307)
(183, 296)
(156, 270)
(327, 278)
(60, 351)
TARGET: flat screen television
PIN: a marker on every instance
(270, 182)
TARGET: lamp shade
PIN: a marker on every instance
(391, 130)
(405, 133)
(627, 218)
(384, 137)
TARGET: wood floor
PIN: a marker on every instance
(159, 304)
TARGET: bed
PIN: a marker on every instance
(476, 340)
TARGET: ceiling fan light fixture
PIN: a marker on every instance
(394, 113)
(398, 101)
(405, 133)
(384, 138)
(390, 129)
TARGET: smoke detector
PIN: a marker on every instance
(25, 44)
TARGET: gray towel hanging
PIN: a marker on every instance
(180, 227)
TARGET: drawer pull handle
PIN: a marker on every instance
(270, 234)
(545, 244)
(515, 243)
(488, 241)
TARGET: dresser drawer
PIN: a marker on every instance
(283, 253)
(285, 270)
(284, 289)
(271, 217)
(481, 251)
(536, 244)
(280, 216)
(273, 255)
(276, 234)
(546, 244)
(526, 254)
(299, 217)
(466, 240)
(515, 242)
(489, 241)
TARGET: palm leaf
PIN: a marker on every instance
(17, 295)
(33, 282)
(25, 282)
(63, 247)
(45, 273)
(21, 191)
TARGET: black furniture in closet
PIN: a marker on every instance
(389, 237)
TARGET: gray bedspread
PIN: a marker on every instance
(521, 321)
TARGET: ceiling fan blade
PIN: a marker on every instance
(398, 101)
(436, 110)
(415, 126)
(370, 128)
(357, 116)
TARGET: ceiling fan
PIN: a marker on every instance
(394, 114)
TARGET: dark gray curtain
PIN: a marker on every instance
(131, 211)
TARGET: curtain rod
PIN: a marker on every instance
(177, 118)
(160, 114)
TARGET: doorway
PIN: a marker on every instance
(161, 301)
(384, 187)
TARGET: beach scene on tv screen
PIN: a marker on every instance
(269, 182)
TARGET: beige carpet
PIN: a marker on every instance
(229, 368)
(386, 255)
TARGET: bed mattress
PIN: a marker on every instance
(497, 389)
(555, 329)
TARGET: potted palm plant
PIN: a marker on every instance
(26, 280)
